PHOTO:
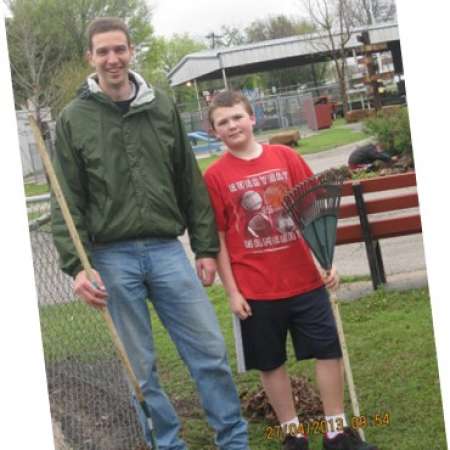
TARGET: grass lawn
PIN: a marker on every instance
(354, 278)
(34, 215)
(35, 189)
(74, 330)
(392, 351)
(328, 139)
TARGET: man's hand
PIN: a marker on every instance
(92, 295)
(239, 306)
(330, 279)
(206, 270)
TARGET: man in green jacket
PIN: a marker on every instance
(133, 186)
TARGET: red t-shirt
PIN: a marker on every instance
(269, 258)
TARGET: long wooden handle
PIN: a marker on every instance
(57, 191)
(346, 359)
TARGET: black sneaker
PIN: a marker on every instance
(295, 443)
(348, 440)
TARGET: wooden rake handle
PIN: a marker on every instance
(346, 358)
(57, 191)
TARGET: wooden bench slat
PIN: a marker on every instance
(404, 201)
(386, 183)
(349, 234)
(382, 183)
(392, 203)
(396, 226)
(346, 188)
(385, 228)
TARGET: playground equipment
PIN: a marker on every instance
(202, 142)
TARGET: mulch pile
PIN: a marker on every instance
(307, 403)
(404, 163)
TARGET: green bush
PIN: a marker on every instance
(392, 131)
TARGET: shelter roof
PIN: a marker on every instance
(271, 54)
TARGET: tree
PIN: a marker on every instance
(68, 79)
(275, 27)
(162, 56)
(46, 41)
(35, 52)
(280, 26)
(230, 36)
(77, 14)
(364, 11)
(333, 20)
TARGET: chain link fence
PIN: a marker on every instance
(89, 396)
(271, 113)
(32, 167)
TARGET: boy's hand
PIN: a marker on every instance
(330, 279)
(239, 306)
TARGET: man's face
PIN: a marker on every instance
(234, 126)
(110, 57)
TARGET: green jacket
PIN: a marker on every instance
(128, 176)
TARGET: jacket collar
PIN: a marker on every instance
(145, 94)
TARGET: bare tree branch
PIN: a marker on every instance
(334, 18)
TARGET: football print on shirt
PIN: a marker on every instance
(258, 205)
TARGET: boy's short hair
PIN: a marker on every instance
(105, 24)
(227, 99)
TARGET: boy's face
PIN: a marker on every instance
(110, 56)
(234, 126)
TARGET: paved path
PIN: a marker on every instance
(332, 158)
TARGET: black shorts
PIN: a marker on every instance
(309, 319)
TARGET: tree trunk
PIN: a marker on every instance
(344, 96)
(342, 86)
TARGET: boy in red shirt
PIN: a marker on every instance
(271, 280)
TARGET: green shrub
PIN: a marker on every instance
(391, 128)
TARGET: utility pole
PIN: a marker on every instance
(214, 38)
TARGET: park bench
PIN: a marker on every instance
(400, 220)
(285, 137)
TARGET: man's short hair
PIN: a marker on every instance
(104, 25)
(227, 99)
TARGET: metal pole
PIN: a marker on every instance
(372, 16)
(198, 99)
(224, 76)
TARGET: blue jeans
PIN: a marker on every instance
(158, 269)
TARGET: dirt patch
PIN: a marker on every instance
(91, 408)
(92, 413)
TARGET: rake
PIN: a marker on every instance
(121, 352)
(314, 206)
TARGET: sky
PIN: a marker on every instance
(4, 9)
(200, 17)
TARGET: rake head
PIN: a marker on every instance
(314, 206)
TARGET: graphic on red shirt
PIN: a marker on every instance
(258, 206)
(268, 255)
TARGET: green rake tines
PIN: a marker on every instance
(314, 206)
